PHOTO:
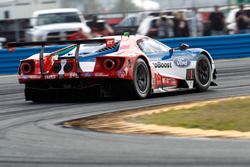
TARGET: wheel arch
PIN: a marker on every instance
(146, 61)
(208, 56)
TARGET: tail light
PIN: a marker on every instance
(190, 74)
(68, 67)
(27, 67)
(57, 67)
(109, 64)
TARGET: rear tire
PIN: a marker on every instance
(141, 81)
(202, 74)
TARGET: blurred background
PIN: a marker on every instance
(36, 20)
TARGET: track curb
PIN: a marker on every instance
(122, 122)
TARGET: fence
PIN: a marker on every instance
(220, 47)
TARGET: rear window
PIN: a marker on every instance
(153, 24)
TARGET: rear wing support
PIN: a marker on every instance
(77, 59)
(108, 41)
(41, 61)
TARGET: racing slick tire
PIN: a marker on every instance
(202, 74)
(141, 82)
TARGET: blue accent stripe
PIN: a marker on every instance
(91, 57)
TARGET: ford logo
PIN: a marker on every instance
(182, 61)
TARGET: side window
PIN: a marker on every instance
(153, 24)
(126, 22)
(130, 21)
(6, 14)
(144, 46)
(152, 46)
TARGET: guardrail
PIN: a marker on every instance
(220, 47)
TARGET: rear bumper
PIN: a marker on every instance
(73, 76)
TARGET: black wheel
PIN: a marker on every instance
(35, 96)
(202, 73)
(141, 82)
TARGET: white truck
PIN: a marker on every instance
(55, 24)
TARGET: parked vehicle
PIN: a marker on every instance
(149, 27)
(100, 28)
(128, 24)
(13, 29)
(131, 22)
(55, 24)
(231, 26)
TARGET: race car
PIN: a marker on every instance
(125, 66)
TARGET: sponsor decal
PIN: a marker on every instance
(169, 81)
(71, 75)
(110, 42)
(163, 65)
(190, 74)
(23, 77)
(50, 76)
(87, 74)
(126, 70)
(34, 76)
(101, 75)
(27, 77)
(121, 74)
(182, 61)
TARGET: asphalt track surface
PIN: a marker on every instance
(31, 135)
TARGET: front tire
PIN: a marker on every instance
(202, 74)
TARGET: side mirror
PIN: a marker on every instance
(183, 46)
(171, 50)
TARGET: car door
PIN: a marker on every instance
(160, 57)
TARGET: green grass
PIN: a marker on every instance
(226, 115)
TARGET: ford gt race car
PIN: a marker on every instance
(124, 66)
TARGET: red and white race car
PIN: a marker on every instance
(131, 66)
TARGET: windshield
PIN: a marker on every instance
(53, 18)
(148, 45)
(129, 21)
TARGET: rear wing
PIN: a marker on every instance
(110, 42)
